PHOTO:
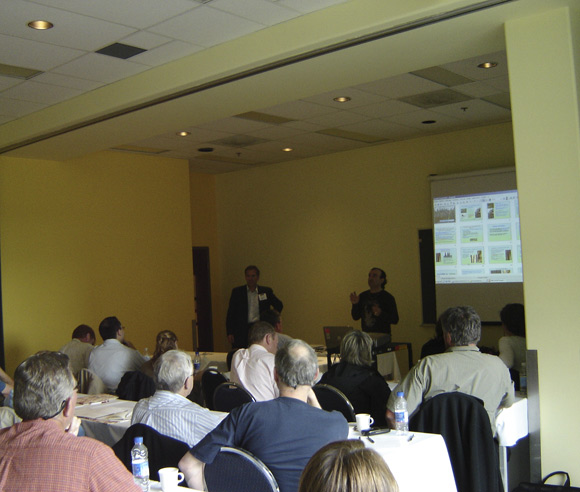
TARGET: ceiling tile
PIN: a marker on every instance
(33, 54)
(384, 109)
(40, 93)
(67, 81)
(475, 111)
(149, 12)
(337, 118)
(101, 68)
(262, 11)
(468, 68)
(13, 107)
(401, 86)
(166, 53)
(70, 30)
(357, 98)
(206, 27)
(306, 6)
(299, 110)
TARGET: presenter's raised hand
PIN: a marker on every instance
(354, 297)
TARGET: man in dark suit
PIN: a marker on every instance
(246, 304)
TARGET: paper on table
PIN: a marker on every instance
(95, 399)
(112, 418)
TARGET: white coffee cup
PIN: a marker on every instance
(363, 421)
(170, 478)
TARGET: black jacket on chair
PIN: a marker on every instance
(464, 424)
(164, 451)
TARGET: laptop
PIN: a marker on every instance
(333, 336)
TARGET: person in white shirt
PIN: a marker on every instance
(79, 348)
(169, 411)
(512, 346)
(253, 367)
(112, 359)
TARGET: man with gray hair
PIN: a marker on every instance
(462, 367)
(43, 452)
(284, 433)
(253, 368)
(169, 411)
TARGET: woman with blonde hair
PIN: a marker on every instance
(166, 340)
(347, 466)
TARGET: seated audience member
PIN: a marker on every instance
(357, 379)
(6, 386)
(347, 466)
(462, 367)
(169, 411)
(512, 346)
(79, 348)
(166, 340)
(43, 453)
(275, 319)
(436, 345)
(112, 359)
(253, 367)
(284, 433)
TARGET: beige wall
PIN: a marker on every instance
(104, 235)
(316, 226)
(547, 135)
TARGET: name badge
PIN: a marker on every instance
(262, 297)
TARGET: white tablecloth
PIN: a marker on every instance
(417, 465)
(106, 422)
(511, 425)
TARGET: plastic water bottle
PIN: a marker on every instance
(196, 362)
(401, 414)
(140, 462)
(146, 355)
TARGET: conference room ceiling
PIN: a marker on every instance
(142, 35)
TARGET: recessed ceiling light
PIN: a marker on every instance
(429, 122)
(341, 99)
(287, 149)
(487, 65)
(183, 134)
(40, 25)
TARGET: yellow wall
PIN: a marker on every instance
(316, 226)
(104, 235)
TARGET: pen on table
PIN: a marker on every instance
(368, 437)
(410, 438)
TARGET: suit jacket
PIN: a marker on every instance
(237, 318)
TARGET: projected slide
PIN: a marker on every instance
(477, 238)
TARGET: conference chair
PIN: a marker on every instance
(135, 385)
(90, 383)
(228, 396)
(331, 398)
(164, 451)
(210, 380)
(464, 424)
(239, 470)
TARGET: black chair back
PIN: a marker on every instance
(239, 470)
(331, 398)
(135, 385)
(163, 450)
(464, 424)
(228, 396)
(210, 380)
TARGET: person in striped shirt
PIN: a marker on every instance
(169, 411)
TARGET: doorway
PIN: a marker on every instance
(201, 275)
